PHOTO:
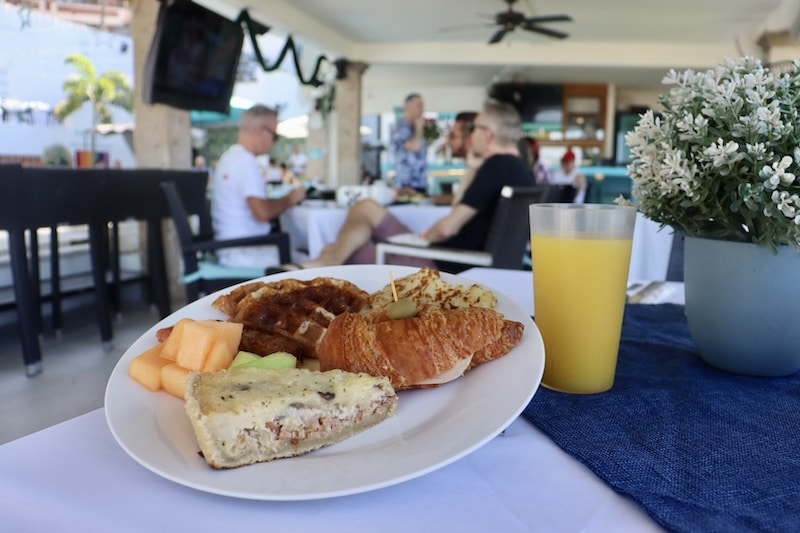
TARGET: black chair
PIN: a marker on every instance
(675, 265)
(508, 238)
(196, 248)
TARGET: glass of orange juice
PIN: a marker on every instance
(581, 255)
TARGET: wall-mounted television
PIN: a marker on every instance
(535, 102)
(192, 59)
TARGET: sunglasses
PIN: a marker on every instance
(475, 126)
(274, 133)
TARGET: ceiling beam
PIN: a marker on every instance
(564, 54)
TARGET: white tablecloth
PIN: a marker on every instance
(74, 477)
(651, 250)
(312, 227)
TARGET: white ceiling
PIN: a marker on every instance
(631, 43)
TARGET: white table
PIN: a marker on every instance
(310, 227)
(74, 477)
(651, 250)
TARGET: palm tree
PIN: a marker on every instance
(110, 88)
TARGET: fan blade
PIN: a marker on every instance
(497, 37)
(548, 18)
(545, 31)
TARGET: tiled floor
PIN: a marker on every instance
(76, 368)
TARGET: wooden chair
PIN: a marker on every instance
(196, 248)
(508, 237)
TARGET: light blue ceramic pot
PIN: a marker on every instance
(743, 306)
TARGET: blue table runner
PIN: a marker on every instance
(699, 449)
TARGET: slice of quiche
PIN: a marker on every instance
(251, 415)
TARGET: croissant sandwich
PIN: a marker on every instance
(433, 347)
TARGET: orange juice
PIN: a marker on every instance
(579, 300)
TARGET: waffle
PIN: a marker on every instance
(298, 310)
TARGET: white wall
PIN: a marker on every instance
(438, 99)
(627, 98)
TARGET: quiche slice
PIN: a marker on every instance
(251, 415)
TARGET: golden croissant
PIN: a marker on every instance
(431, 348)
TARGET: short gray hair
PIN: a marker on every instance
(249, 117)
(505, 122)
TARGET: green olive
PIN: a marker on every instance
(402, 308)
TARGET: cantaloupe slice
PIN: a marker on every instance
(231, 332)
(221, 356)
(173, 379)
(173, 342)
(196, 341)
(146, 368)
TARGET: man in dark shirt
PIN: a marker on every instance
(495, 132)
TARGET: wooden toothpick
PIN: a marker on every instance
(391, 281)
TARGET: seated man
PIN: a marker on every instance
(239, 203)
(494, 136)
(461, 146)
(570, 174)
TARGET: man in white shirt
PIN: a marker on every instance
(298, 161)
(240, 206)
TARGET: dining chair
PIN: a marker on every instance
(508, 238)
(201, 273)
(675, 265)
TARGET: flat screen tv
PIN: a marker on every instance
(537, 103)
(192, 59)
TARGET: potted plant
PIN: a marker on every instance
(57, 155)
(721, 163)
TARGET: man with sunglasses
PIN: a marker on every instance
(240, 206)
(458, 140)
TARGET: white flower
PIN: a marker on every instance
(724, 154)
(786, 203)
(776, 174)
(720, 159)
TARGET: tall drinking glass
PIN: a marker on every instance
(581, 256)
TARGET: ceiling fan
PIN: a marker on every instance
(510, 20)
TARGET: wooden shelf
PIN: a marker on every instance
(584, 113)
(583, 119)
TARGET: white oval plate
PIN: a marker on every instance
(431, 428)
